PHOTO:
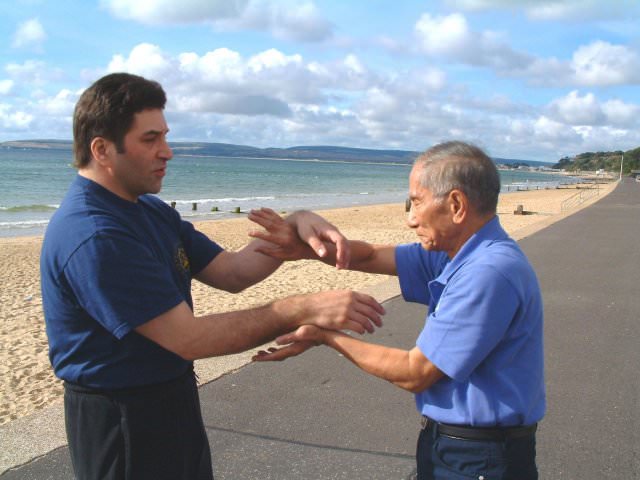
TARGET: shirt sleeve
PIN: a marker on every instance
(416, 267)
(199, 248)
(118, 281)
(474, 312)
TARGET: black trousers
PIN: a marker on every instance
(153, 432)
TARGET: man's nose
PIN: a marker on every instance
(165, 151)
(411, 217)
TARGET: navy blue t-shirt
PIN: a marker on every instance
(108, 266)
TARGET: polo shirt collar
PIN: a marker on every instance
(473, 247)
(105, 194)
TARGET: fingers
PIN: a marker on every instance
(365, 314)
(278, 354)
(316, 244)
(340, 310)
(370, 308)
(286, 338)
(264, 216)
(343, 252)
(262, 234)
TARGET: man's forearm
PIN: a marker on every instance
(409, 370)
(178, 331)
(367, 257)
(235, 332)
(235, 271)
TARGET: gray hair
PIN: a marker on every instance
(462, 166)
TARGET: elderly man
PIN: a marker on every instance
(477, 367)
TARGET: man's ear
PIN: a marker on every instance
(100, 150)
(458, 205)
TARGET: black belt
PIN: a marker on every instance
(495, 434)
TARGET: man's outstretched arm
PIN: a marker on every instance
(235, 271)
(409, 370)
(291, 239)
(178, 331)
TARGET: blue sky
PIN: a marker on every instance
(529, 79)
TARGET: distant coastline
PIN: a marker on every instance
(310, 153)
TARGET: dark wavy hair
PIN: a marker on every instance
(106, 109)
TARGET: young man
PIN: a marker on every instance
(477, 367)
(116, 270)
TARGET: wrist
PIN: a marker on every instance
(328, 337)
(289, 312)
(293, 218)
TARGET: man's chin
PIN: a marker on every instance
(426, 245)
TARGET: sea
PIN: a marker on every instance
(33, 182)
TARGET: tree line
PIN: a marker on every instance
(608, 161)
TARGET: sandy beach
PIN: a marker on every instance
(27, 383)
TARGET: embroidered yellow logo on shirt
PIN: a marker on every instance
(181, 260)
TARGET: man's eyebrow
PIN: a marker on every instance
(156, 132)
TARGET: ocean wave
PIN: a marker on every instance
(29, 208)
(23, 224)
(221, 200)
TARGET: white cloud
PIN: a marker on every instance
(448, 35)
(269, 82)
(273, 98)
(289, 20)
(587, 110)
(33, 72)
(172, 12)
(622, 114)
(294, 20)
(6, 86)
(576, 110)
(61, 104)
(272, 58)
(450, 38)
(29, 35)
(598, 64)
(12, 119)
(551, 132)
(601, 63)
(571, 10)
(144, 59)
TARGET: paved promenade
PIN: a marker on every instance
(318, 417)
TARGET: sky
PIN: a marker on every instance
(523, 79)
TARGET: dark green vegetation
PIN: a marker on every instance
(608, 161)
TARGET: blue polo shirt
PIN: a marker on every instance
(108, 266)
(483, 330)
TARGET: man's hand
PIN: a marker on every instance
(285, 244)
(311, 228)
(340, 310)
(295, 343)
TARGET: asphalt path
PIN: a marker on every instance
(318, 417)
(589, 269)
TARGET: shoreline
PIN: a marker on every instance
(26, 379)
(204, 216)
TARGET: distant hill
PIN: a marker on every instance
(299, 152)
(608, 161)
